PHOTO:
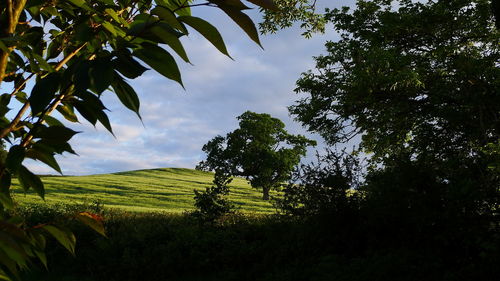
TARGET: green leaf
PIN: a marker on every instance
(12, 249)
(3, 276)
(8, 262)
(58, 148)
(14, 158)
(93, 221)
(100, 74)
(83, 32)
(109, 27)
(80, 3)
(129, 67)
(92, 109)
(51, 121)
(4, 104)
(65, 237)
(103, 118)
(43, 92)
(175, 5)
(57, 134)
(160, 60)
(42, 257)
(166, 34)
(126, 94)
(140, 24)
(3, 47)
(244, 21)
(6, 201)
(5, 182)
(208, 31)
(80, 75)
(115, 16)
(43, 63)
(236, 4)
(86, 112)
(54, 48)
(169, 17)
(27, 179)
(44, 156)
(67, 112)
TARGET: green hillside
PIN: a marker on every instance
(169, 190)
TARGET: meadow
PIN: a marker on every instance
(155, 190)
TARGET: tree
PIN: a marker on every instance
(74, 51)
(291, 11)
(261, 150)
(422, 78)
(420, 83)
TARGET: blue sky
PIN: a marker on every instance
(177, 122)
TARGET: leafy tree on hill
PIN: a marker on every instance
(261, 150)
(74, 51)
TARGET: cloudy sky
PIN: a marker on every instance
(177, 122)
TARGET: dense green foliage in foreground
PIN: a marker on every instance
(157, 190)
(347, 246)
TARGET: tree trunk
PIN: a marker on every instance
(10, 16)
(265, 193)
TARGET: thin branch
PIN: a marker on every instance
(68, 57)
(16, 90)
(5, 131)
(14, 11)
(194, 5)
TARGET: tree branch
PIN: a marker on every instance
(14, 10)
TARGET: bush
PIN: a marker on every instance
(212, 203)
(160, 246)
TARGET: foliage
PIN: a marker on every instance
(327, 186)
(291, 11)
(212, 203)
(420, 84)
(261, 150)
(266, 248)
(420, 78)
(74, 51)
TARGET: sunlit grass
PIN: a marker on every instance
(165, 190)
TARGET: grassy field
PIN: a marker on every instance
(165, 190)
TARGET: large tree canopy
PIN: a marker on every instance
(417, 77)
(260, 150)
(74, 51)
(420, 83)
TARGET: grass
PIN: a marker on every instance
(155, 190)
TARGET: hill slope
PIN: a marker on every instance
(169, 189)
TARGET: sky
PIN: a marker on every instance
(176, 123)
